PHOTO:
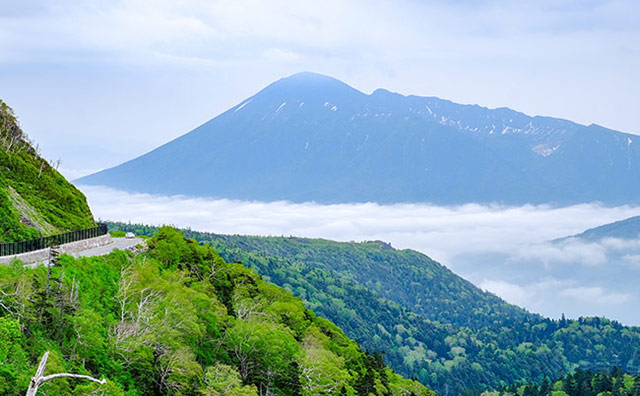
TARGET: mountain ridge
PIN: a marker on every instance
(628, 228)
(314, 138)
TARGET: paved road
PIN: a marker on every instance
(118, 243)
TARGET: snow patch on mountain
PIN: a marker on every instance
(544, 149)
(242, 105)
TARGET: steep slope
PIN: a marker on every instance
(35, 200)
(177, 320)
(313, 138)
(432, 324)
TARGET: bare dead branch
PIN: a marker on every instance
(38, 379)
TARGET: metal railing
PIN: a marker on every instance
(12, 248)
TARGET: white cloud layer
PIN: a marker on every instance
(502, 249)
(442, 231)
(554, 297)
(595, 295)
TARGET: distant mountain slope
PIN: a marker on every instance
(431, 323)
(623, 229)
(310, 137)
(34, 198)
(405, 277)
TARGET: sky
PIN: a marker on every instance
(99, 82)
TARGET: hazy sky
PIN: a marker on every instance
(98, 82)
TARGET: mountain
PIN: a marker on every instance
(431, 324)
(176, 320)
(310, 137)
(171, 319)
(35, 200)
(604, 261)
(623, 229)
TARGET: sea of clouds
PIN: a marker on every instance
(507, 250)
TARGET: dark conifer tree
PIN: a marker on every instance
(636, 386)
(530, 390)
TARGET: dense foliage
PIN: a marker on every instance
(35, 199)
(432, 324)
(176, 320)
(581, 383)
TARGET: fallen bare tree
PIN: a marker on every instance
(39, 379)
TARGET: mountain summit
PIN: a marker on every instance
(310, 137)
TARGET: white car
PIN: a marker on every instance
(129, 235)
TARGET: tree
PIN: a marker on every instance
(601, 383)
(545, 387)
(530, 390)
(40, 379)
(322, 371)
(636, 386)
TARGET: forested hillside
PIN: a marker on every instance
(35, 200)
(581, 383)
(431, 323)
(177, 320)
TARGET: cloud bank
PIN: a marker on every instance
(502, 249)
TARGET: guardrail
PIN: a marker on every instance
(12, 248)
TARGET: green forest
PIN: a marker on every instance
(175, 319)
(580, 383)
(432, 324)
(35, 200)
